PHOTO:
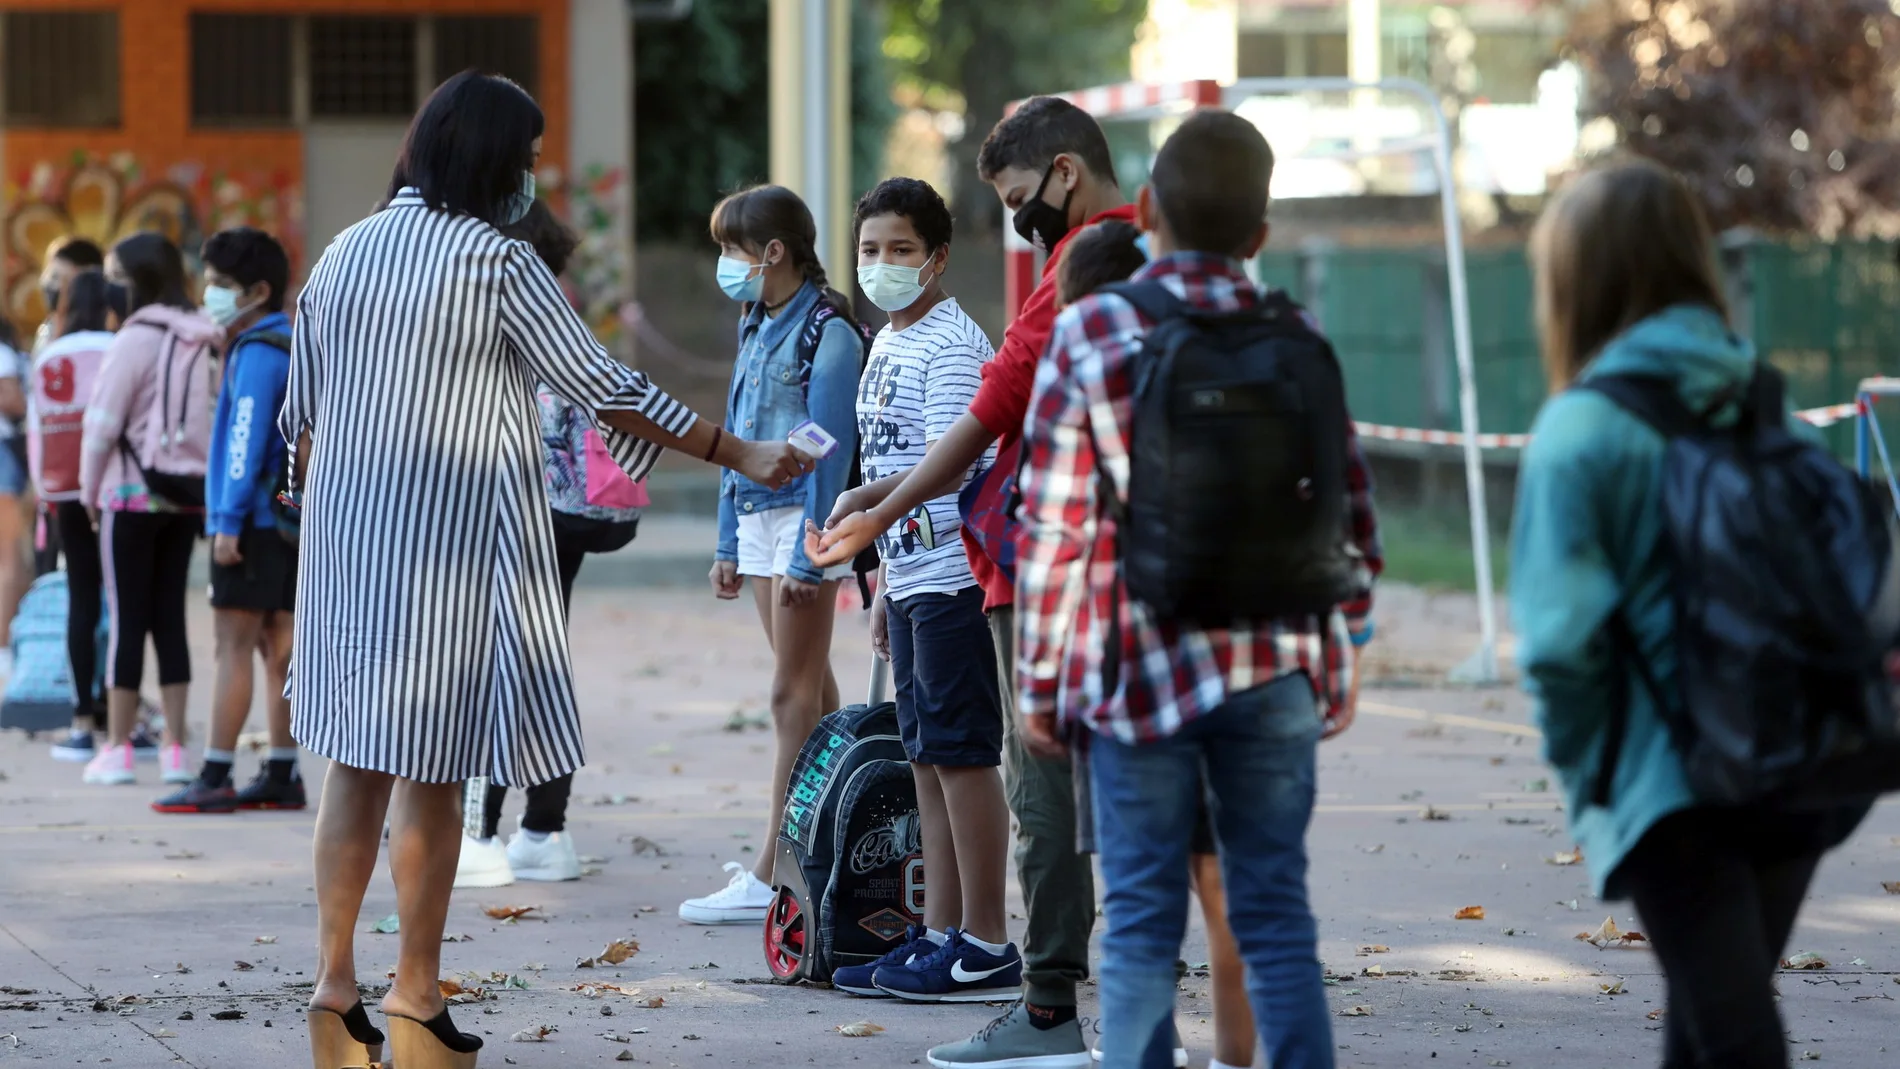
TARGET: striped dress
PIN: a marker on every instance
(430, 641)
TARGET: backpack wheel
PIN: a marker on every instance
(787, 936)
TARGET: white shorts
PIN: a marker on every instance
(766, 540)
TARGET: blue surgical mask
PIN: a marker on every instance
(221, 304)
(515, 208)
(891, 287)
(1142, 244)
(737, 278)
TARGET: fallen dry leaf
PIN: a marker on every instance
(643, 845)
(1807, 959)
(1611, 989)
(1566, 857)
(1433, 813)
(860, 1029)
(1608, 935)
(651, 1003)
(265, 940)
(1356, 1011)
(618, 951)
(1375, 948)
(1373, 970)
(1469, 913)
(508, 913)
(1656, 1014)
(243, 966)
(1892, 887)
(537, 1034)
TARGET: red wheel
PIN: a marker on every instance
(786, 936)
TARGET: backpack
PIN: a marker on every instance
(849, 869)
(284, 512)
(1786, 605)
(39, 694)
(989, 505)
(1237, 464)
(172, 461)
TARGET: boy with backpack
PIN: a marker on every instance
(1191, 618)
(253, 557)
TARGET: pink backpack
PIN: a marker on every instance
(177, 439)
(607, 486)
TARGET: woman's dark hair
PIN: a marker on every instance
(468, 146)
(79, 252)
(913, 199)
(754, 218)
(1097, 256)
(551, 238)
(154, 271)
(83, 304)
(248, 256)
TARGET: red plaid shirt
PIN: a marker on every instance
(1066, 573)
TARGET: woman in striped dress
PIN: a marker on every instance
(431, 647)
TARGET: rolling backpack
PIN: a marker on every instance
(39, 694)
(1786, 606)
(849, 872)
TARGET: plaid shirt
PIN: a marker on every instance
(1067, 575)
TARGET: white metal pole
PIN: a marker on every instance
(815, 42)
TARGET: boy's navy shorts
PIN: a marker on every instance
(944, 665)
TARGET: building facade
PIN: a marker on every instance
(187, 116)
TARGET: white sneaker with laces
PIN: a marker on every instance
(743, 901)
(483, 863)
(551, 858)
(173, 766)
(113, 766)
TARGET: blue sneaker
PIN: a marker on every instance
(959, 971)
(861, 979)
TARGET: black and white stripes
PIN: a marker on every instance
(430, 640)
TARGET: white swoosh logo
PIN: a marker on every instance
(964, 976)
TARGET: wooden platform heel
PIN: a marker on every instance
(344, 1040)
(431, 1044)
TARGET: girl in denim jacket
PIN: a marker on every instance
(768, 262)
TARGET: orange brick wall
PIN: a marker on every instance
(228, 176)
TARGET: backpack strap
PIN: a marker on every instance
(276, 339)
(1650, 398)
(1154, 301)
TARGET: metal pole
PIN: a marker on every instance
(815, 38)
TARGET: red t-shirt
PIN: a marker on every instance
(1008, 380)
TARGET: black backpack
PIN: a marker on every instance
(849, 866)
(1237, 478)
(1786, 605)
(287, 517)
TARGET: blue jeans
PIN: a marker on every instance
(1256, 752)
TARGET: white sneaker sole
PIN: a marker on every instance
(1078, 1060)
(485, 879)
(703, 915)
(111, 779)
(1180, 1056)
(861, 992)
(179, 776)
(993, 994)
(557, 876)
(77, 757)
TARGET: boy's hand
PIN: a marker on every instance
(1040, 736)
(1341, 718)
(880, 630)
(224, 550)
(852, 500)
(725, 580)
(794, 591)
(842, 539)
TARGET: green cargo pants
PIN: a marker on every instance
(1058, 883)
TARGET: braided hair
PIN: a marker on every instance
(754, 218)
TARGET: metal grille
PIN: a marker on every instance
(240, 70)
(362, 67)
(61, 69)
(505, 45)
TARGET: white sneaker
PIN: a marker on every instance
(172, 765)
(551, 858)
(483, 863)
(744, 901)
(112, 767)
(1180, 1052)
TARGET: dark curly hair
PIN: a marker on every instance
(1039, 131)
(553, 242)
(911, 199)
(1097, 256)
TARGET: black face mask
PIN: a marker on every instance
(50, 294)
(118, 299)
(1041, 223)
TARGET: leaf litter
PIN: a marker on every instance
(1807, 959)
(536, 1034)
(1609, 935)
(1469, 913)
(859, 1030)
(511, 914)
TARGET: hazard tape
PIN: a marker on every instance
(1819, 417)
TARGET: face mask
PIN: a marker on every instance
(1041, 223)
(118, 299)
(515, 207)
(221, 304)
(1142, 244)
(891, 287)
(50, 294)
(737, 279)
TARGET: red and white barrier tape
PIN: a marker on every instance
(1820, 417)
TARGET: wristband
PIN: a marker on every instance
(1360, 638)
(719, 433)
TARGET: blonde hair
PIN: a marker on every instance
(1618, 244)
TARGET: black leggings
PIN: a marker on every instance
(1718, 891)
(147, 559)
(71, 534)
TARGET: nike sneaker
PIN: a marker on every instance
(862, 979)
(959, 971)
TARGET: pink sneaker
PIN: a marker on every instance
(172, 766)
(113, 766)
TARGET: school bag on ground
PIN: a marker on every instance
(171, 459)
(849, 873)
(39, 694)
(1786, 605)
(1237, 466)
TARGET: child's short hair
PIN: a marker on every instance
(1039, 131)
(553, 242)
(913, 199)
(1210, 181)
(248, 256)
(1097, 256)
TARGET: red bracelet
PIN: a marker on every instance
(718, 434)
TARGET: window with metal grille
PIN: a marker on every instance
(240, 70)
(505, 45)
(60, 68)
(362, 67)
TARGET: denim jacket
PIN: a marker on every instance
(768, 398)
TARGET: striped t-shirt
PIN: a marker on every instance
(918, 382)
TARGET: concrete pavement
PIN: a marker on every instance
(124, 934)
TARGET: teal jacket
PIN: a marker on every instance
(1585, 544)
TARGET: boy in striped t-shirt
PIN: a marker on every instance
(929, 623)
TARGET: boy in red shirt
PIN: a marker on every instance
(1050, 164)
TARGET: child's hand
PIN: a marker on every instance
(725, 580)
(795, 591)
(1341, 718)
(880, 630)
(1040, 736)
(841, 541)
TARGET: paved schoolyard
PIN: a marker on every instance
(124, 934)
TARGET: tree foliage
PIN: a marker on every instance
(1782, 115)
(702, 111)
(990, 52)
